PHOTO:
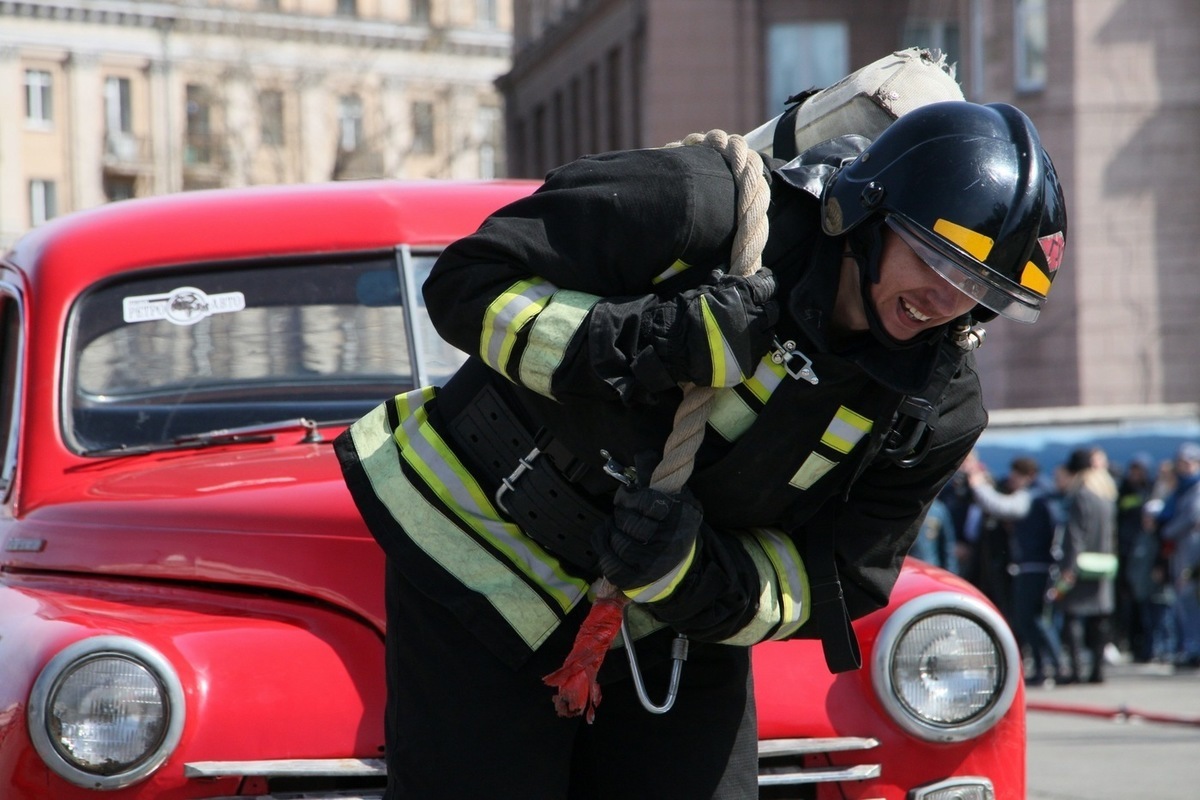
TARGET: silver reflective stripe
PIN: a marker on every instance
(552, 332)
(505, 317)
(784, 601)
(670, 272)
(731, 415)
(496, 579)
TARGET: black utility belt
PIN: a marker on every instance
(538, 482)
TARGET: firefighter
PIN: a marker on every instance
(846, 398)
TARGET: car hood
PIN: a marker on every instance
(264, 516)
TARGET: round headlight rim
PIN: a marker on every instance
(72, 657)
(922, 607)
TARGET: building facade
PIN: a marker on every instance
(1113, 86)
(110, 99)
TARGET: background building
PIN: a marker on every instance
(1113, 85)
(110, 99)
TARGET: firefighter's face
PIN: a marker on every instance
(910, 297)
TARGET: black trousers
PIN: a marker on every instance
(461, 723)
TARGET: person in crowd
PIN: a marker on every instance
(957, 497)
(1089, 598)
(1137, 551)
(1180, 534)
(1033, 516)
(997, 507)
(935, 543)
(527, 492)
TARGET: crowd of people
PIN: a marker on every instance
(1090, 562)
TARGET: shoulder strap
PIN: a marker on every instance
(829, 611)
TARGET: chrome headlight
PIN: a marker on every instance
(946, 667)
(105, 712)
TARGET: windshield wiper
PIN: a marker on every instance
(246, 434)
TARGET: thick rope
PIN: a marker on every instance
(754, 196)
(579, 693)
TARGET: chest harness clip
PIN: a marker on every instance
(798, 365)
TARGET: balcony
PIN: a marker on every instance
(126, 153)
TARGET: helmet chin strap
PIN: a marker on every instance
(866, 248)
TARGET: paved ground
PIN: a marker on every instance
(1136, 735)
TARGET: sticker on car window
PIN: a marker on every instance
(183, 306)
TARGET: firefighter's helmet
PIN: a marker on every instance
(971, 190)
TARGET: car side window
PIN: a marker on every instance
(10, 350)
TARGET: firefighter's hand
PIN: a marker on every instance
(649, 542)
(715, 335)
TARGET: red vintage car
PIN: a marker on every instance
(190, 606)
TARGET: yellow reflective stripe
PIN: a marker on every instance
(725, 370)
(425, 451)
(505, 317)
(552, 331)
(525, 610)
(766, 378)
(731, 414)
(794, 591)
(662, 588)
(974, 243)
(784, 601)
(846, 430)
(670, 272)
(1034, 279)
(811, 471)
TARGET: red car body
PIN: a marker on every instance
(182, 568)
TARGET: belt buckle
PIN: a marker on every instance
(524, 464)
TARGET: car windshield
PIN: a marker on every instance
(159, 356)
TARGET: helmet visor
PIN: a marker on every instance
(969, 276)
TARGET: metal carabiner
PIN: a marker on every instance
(679, 649)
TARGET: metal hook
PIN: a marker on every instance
(679, 649)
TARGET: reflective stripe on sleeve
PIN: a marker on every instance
(784, 602)
(662, 588)
(507, 315)
(552, 332)
(725, 369)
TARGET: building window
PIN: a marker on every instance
(419, 11)
(934, 34)
(350, 122)
(39, 108)
(347, 8)
(490, 121)
(486, 13)
(804, 55)
(1030, 39)
(43, 201)
(422, 127)
(270, 112)
(199, 149)
(614, 85)
(268, 5)
(118, 105)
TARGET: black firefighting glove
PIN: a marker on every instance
(716, 334)
(647, 545)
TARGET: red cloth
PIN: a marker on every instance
(578, 691)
